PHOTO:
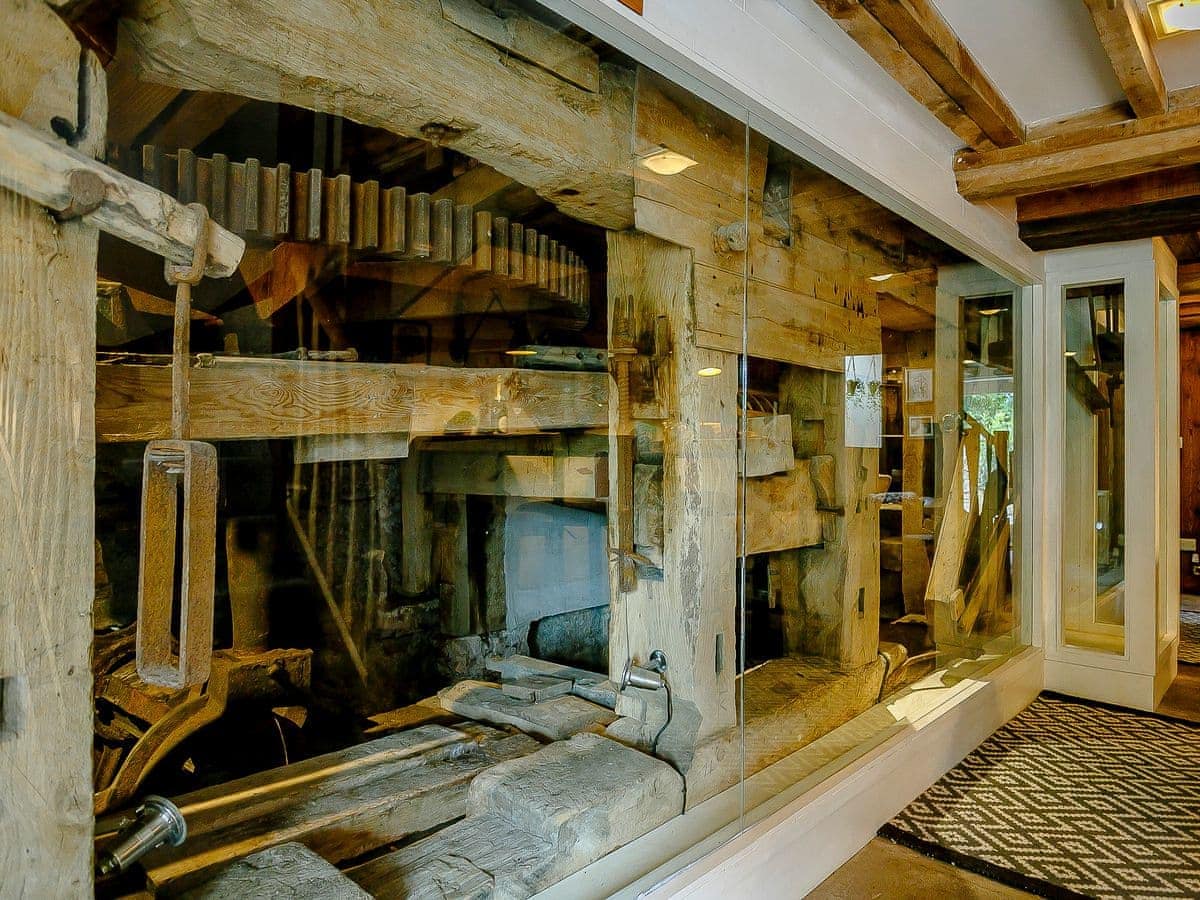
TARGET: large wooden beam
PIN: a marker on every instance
(406, 68)
(920, 29)
(866, 31)
(37, 165)
(1119, 24)
(1189, 278)
(239, 399)
(1102, 153)
(1143, 206)
(47, 481)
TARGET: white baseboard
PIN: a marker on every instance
(791, 851)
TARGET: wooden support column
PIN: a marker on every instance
(688, 610)
(839, 582)
(47, 342)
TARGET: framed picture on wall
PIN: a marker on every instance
(918, 385)
(920, 426)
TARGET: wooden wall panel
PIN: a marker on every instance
(1189, 471)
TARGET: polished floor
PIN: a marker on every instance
(891, 872)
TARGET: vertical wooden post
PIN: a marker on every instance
(839, 582)
(47, 454)
(687, 612)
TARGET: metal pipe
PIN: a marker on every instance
(159, 822)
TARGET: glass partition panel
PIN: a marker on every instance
(1093, 597)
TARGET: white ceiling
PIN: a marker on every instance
(1045, 58)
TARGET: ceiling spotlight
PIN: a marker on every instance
(666, 162)
(1174, 16)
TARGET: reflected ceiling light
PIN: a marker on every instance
(1175, 16)
(882, 277)
(1069, 354)
(709, 371)
(666, 162)
(520, 351)
(994, 311)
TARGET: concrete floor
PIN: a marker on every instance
(886, 870)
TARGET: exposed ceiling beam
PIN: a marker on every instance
(920, 29)
(866, 31)
(1119, 24)
(1102, 153)
(917, 30)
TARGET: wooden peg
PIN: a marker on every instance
(185, 191)
(250, 195)
(500, 246)
(418, 242)
(516, 254)
(543, 262)
(237, 197)
(443, 231)
(395, 211)
(366, 215)
(464, 233)
(483, 241)
(219, 206)
(337, 210)
(531, 256)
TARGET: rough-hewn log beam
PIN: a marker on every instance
(919, 28)
(1119, 24)
(1142, 206)
(866, 31)
(405, 68)
(1103, 153)
(239, 399)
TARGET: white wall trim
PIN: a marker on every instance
(789, 853)
(788, 69)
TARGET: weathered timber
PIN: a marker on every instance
(1084, 156)
(1142, 206)
(853, 18)
(920, 29)
(241, 398)
(498, 475)
(340, 804)
(768, 445)
(47, 571)
(36, 165)
(554, 719)
(431, 79)
(589, 685)
(528, 39)
(781, 511)
(287, 872)
(530, 825)
(650, 308)
(1123, 35)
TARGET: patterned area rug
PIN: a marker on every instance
(1071, 799)
(1189, 637)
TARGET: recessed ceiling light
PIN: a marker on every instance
(666, 162)
(1172, 17)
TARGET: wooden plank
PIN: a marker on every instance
(920, 29)
(288, 870)
(781, 512)
(47, 556)
(340, 805)
(1084, 200)
(768, 445)
(406, 72)
(528, 39)
(244, 398)
(1189, 278)
(38, 166)
(1088, 155)
(499, 475)
(1123, 35)
(343, 447)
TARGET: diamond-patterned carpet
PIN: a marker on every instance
(1189, 637)
(1071, 799)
